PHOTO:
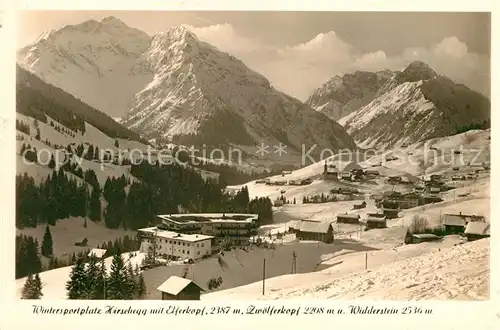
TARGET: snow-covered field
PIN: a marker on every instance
(438, 271)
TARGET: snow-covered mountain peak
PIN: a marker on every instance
(418, 70)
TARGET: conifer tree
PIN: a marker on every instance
(37, 287)
(117, 287)
(47, 243)
(141, 286)
(52, 162)
(93, 275)
(32, 287)
(77, 284)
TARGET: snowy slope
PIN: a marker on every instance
(417, 104)
(420, 272)
(342, 95)
(91, 61)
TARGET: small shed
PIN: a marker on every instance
(178, 288)
(348, 218)
(315, 230)
(476, 230)
(376, 221)
(98, 253)
(420, 238)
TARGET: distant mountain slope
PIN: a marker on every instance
(200, 95)
(38, 99)
(94, 61)
(342, 95)
(415, 105)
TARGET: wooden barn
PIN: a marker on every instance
(454, 223)
(315, 231)
(376, 220)
(348, 218)
(178, 288)
(476, 230)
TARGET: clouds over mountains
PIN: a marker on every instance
(299, 69)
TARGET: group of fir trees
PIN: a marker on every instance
(58, 197)
(92, 281)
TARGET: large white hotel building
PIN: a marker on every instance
(195, 235)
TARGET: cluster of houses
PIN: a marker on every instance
(298, 182)
(351, 172)
(473, 227)
(372, 221)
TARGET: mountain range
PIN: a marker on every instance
(174, 86)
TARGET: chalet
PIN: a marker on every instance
(347, 176)
(278, 202)
(455, 168)
(454, 224)
(98, 253)
(359, 206)
(390, 209)
(352, 167)
(376, 220)
(429, 199)
(348, 218)
(409, 179)
(476, 230)
(458, 178)
(434, 190)
(178, 288)
(315, 230)
(305, 182)
(372, 173)
(420, 238)
(395, 179)
(436, 177)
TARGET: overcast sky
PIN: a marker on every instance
(298, 51)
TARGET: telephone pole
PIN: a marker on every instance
(294, 263)
(264, 277)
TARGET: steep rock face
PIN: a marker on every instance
(342, 95)
(92, 61)
(415, 105)
(199, 95)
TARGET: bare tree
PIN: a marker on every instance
(418, 225)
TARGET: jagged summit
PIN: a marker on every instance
(418, 70)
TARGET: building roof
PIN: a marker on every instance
(311, 226)
(352, 166)
(375, 219)
(174, 235)
(454, 220)
(175, 284)
(425, 236)
(349, 216)
(478, 228)
(194, 218)
(99, 253)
